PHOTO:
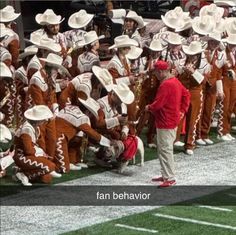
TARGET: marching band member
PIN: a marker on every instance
(229, 86)
(192, 78)
(31, 160)
(12, 42)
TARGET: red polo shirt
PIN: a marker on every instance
(172, 98)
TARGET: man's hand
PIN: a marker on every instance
(123, 136)
(133, 79)
(123, 120)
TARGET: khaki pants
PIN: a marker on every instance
(165, 141)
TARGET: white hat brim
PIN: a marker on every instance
(79, 45)
(91, 104)
(29, 115)
(131, 42)
(96, 70)
(128, 99)
(189, 52)
(25, 54)
(134, 56)
(15, 16)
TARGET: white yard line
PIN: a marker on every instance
(215, 208)
(231, 195)
(136, 228)
(195, 221)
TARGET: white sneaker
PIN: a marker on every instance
(152, 146)
(82, 165)
(224, 138)
(189, 151)
(55, 174)
(178, 144)
(208, 141)
(230, 136)
(23, 179)
(74, 167)
(233, 115)
(233, 128)
(200, 142)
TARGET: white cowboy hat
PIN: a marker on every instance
(38, 113)
(231, 39)
(79, 19)
(231, 25)
(174, 39)
(5, 134)
(133, 16)
(117, 15)
(124, 93)
(89, 38)
(134, 53)
(30, 50)
(92, 105)
(230, 3)
(4, 31)
(173, 20)
(156, 45)
(212, 10)
(5, 71)
(104, 76)
(55, 61)
(44, 43)
(203, 25)
(48, 17)
(213, 36)
(123, 41)
(7, 14)
(194, 48)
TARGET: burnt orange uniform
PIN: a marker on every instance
(42, 92)
(193, 82)
(29, 157)
(69, 122)
(229, 85)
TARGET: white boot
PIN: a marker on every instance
(189, 151)
(178, 144)
(208, 141)
(23, 178)
(200, 142)
(224, 138)
(74, 167)
(55, 174)
(230, 136)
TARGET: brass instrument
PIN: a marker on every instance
(4, 100)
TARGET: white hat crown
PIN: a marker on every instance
(194, 48)
(5, 71)
(156, 45)
(48, 17)
(174, 38)
(203, 25)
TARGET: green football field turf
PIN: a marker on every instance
(176, 220)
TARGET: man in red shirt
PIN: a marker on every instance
(170, 105)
